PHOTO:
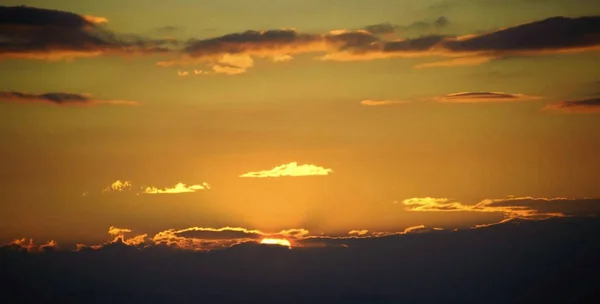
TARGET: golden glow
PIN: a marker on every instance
(280, 242)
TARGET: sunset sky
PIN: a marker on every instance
(177, 119)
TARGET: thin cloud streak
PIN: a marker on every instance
(369, 102)
(61, 98)
(589, 105)
(178, 188)
(291, 169)
(483, 97)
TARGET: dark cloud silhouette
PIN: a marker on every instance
(476, 97)
(37, 33)
(60, 98)
(589, 105)
(552, 34)
(419, 26)
(551, 261)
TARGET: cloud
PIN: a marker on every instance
(178, 188)
(64, 99)
(419, 26)
(511, 207)
(369, 102)
(118, 185)
(118, 240)
(460, 61)
(557, 34)
(28, 245)
(480, 97)
(589, 105)
(183, 73)
(117, 231)
(549, 36)
(37, 33)
(206, 238)
(550, 260)
(358, 232)
(291, 169)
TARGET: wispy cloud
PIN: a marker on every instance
(369, 102)
(178, 188)
(510, 207)
(483, 97)
(37, 33)
(589, 105)
(291, 169)
(61, 98)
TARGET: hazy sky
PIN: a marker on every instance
(377, 102)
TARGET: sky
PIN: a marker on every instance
(170, 122)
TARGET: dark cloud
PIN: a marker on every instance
(590, 105)
(248, 41)
(552, 34)
(215, 234)
(59, 99)
(475, 97)
(551, 261)
(419, 26)
(36, 33)
(413, 45)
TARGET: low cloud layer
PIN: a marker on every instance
(590, 105)
(291, 169)
(483, 97)
(61, 98)
(37, 33)
(549, 36)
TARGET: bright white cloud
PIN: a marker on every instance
(291, 169)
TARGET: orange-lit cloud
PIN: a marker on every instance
(590, 105)
(37, 33)
(60, 98)
(291, 169)
(369, 102)
(183, 73)
(95, 19)
(29, 246)
(511, 207)
(178, 188)
(358, 232)
(118, 185)
(483, 97)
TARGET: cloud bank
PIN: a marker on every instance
(37, 33)
(548, 36)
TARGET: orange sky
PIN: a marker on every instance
(330, 118)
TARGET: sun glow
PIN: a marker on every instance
(280, 242)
